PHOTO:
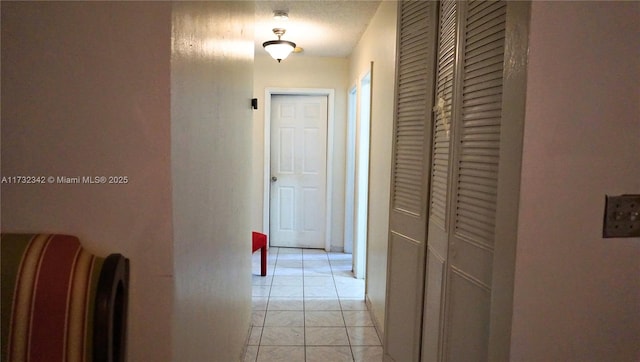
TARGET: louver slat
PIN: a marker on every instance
(480, 122)
(442, 117)
(411, 109)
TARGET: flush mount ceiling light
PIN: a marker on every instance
(280, 15)
(279, 49)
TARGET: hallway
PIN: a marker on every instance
(310, 308)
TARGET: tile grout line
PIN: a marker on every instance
(304, 311)
(346, 330)
(268, 301)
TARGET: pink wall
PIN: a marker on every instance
(577, 295)
(85, 92)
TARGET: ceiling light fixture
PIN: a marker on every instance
(279, 49)
(280, 15)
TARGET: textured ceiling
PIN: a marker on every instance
(322, 28)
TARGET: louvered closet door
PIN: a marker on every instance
(474, 180)
(410, 176)
(440, 175)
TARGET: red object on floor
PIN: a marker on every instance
(260, 242)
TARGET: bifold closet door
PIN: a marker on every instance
(439, 219)
(464, 181)
(447, 169)
(410, 177)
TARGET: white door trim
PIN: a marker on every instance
(350, 174)
(363, 173)
(330, 93)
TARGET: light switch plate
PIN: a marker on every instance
(621, 216)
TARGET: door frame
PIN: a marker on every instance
(266, 209)
(362, 173)
(350, 169)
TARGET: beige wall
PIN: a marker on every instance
(300, 71)
(378, 45)
(85, 92)
(577, 295)
(211, 148)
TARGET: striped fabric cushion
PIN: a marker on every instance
(48, 292)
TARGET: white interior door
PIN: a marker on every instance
(298, 171)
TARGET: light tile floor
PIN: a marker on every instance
(309, 307)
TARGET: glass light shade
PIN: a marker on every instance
(279, 49)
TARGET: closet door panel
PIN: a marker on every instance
(431, 350)
(438, 235)
(476, 157)
(410, 180)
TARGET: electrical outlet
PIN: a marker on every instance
(621, 216)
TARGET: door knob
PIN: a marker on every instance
(274, 179)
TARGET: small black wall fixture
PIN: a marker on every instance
(254, 103)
